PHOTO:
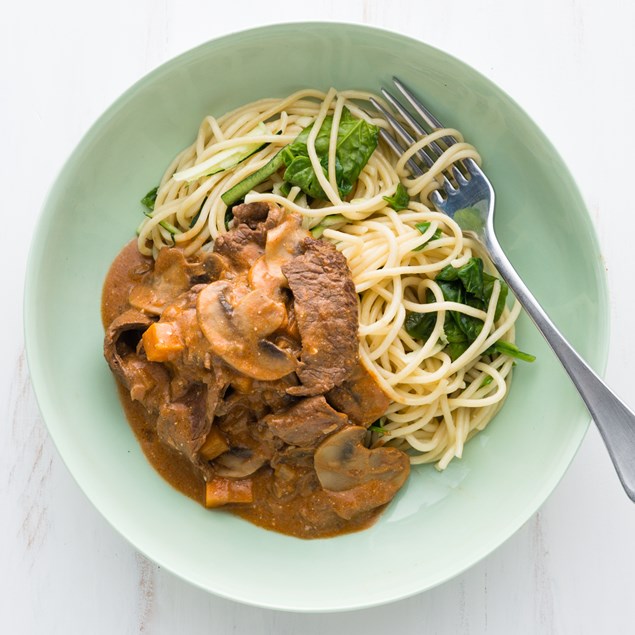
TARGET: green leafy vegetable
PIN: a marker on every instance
(471, 286)
(511, 350)
(300, 172)
(447, 274)
(456, 349)
(399, 200)
(378, 427)
(420, 325)
(471, 275)
(356, 141)
(486, 381)
(423, 228)
(150, 198)
(488, 287)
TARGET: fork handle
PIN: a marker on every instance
(612, 416)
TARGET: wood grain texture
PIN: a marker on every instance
(569, 570)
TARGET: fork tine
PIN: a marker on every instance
(437, 200)
(449, 188)
(421, 110)
(416, 126)
(460, 179)
(401, 132)
(407, 139)
(399, 150)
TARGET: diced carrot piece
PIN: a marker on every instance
(214, 445)
(221, 491)
(162, 342)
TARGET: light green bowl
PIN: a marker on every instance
(441, 523)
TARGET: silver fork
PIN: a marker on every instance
(614, 419)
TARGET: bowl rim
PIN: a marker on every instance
(34, 261)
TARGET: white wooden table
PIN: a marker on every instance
(571, 569)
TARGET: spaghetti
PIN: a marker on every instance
(438, 402)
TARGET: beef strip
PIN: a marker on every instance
(184, 424)
(326, 311)
(306, 423)
(245, 242)
(359, 397)
(241, 247)
(147, 382)
(251, 214)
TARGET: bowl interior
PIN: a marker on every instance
(441, 523)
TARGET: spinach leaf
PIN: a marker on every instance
(356, 141)
(447, 274)
(456, 349)
(506, 348)
(453, 332)
(488, 287)
(471, 275)
(299, 145)
(285, 188)
(469, 326)
(150, 198)
(423, 228)
(467, 285)
(420, 325)
(452, 292)
(399, 200)
(300, 172)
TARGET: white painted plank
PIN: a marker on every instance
(570, 570)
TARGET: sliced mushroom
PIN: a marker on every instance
(355, 478)
(236, 322)
(173, 275)
(238, 463)
(283, 243)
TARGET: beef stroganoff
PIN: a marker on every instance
(295, 326)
